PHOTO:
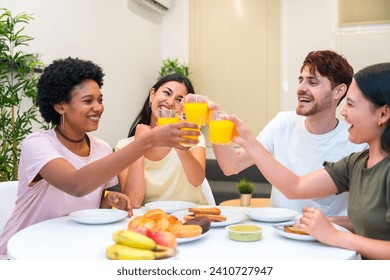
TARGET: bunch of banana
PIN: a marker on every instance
(131, 245)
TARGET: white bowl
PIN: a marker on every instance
(244, 232)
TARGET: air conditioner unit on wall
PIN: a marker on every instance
(159, 6)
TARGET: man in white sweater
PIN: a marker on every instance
(304, 139)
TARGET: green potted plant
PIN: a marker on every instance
(171, 66)
(18, 90)
(245, 188)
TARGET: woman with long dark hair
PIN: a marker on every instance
(164, 173)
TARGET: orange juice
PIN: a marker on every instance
(220, 132)
(196, 112)
(190, 137)
(162, 121)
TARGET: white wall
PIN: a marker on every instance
(312, 25)
(175, 32)
(125, 39)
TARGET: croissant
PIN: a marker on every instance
(166, 223)
(155, 214)
(141, 221)
(155, 220)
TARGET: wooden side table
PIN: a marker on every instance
(255, 202)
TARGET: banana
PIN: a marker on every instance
(136, 240)
(123, 252)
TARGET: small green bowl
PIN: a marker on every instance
(244, 232)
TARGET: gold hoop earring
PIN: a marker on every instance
(62, 122)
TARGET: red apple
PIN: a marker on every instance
(143, 230)
(165, 238)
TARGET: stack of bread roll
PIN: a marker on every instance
(213, 213)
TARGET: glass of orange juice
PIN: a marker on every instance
(182, 117)
(167, 116)
(196, 109)
(220, 129)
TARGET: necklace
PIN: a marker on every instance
(67, 138)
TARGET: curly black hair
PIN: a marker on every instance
(59, 79)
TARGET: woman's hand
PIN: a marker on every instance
(171, 135)
(141, 129)
(315, 223)
(242, 135)
(117, 200)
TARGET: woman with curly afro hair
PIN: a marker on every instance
(66, 169)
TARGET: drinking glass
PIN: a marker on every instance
(196, 109)
(182, 117)
(167, 116)
(220, 129)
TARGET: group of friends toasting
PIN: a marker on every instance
(328, 169)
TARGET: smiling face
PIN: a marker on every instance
(363, 117)
(168, 96)
(83, 112)
(314, 92)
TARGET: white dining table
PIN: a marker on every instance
(65, 239)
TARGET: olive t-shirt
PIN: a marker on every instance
(369, 193)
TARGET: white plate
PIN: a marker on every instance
(270, 214)
(170, 206)
(189, 239)
(231, 217)
(98, 216)
(303, 237)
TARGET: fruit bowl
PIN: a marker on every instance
(244, 232)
